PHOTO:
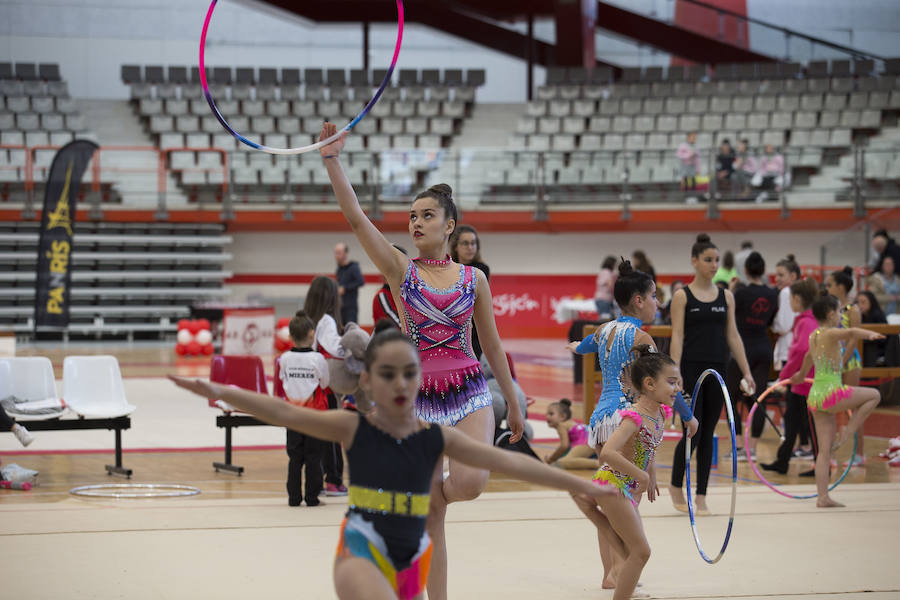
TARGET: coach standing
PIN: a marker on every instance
(350, 279)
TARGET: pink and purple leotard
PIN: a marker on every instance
(439, 321)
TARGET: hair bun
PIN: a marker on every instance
(443, 189)
(565, 402)
(643, 350)
(625, 267)
(703, 238)
(791, 258)
(847, 270)
(300, 313)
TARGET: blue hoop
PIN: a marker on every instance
(734, 472)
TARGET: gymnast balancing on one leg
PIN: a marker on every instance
(439, 301)
(384, 551)
(635, 293)
(828, 395)
(628, 464)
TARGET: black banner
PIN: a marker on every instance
(54, 270)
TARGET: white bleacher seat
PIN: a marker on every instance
(666, 123)
(366, 127)
(564, 142)
(538, 142)
(354, 143)
(657, 141)
(622, 124)
(429, 141)
(829, 119)
(304, 108)
(547, 92)
(549, 125)
(30, 379)
(536, 108)
(644, 123)
(609, 106)
(52, 122)
(780, 120)
(788, 102)
(329, 109)
(212, 160)
(639, 174)
(635, 141)
(800, 138)
(591, 141)
(417, 126)
(805, 119)
(613, 141)
(764, 103)
(675, 106)
(820, 137)
(704, 140)
(37, 138)
(752, 137)
(575, 125)
(878, 99)
(599, 124)
(569, 176)
(27, 121)
(742, 104)
(570, 92)
(177, 107)
(18, 104)
(60, 138)
(452, 109)
(719, 104)
(171, 140)
(161, 123)
(278, 108)
(271, 176)
(384, 108)
(392, 125)
(713, 122)
(653, 106)
(263, 124)
(689, 123)
(378, 142)
(92, 387)
(776, 138)
(810, 157)
(197, 140)
(150, 106)
(225, 141)
(698, 104)
(244, 176)
(870, 119)
(181, 160)
(42, 104)
(840, 137)
(583, 108)
(404, 141)
(428, 108)
(559, 108)
(811, 102)
(193, 178)
(66, 106)
(210, 124)
(758, 121)
(9, 136)
(187, 123)
(526, 125)
(442, 126)
(253, 108)
(835, 101)
(876, 165)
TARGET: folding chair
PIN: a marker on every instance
(30, 381)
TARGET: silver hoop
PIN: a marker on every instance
(154, 490)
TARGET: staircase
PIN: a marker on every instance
(134, 174)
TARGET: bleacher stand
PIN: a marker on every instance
(128, 279)
(595, 134)
(286, 108)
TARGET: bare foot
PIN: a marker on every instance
(638, 594)
(677, 496)
(827, 503)
(700, 504)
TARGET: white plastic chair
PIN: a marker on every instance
(92, 387)
(893, 319)
(31, 378)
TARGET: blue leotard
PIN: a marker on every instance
(614, 361)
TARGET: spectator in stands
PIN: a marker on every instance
(884, 245)
(769, 173)
(724, 165)
(603, 297)
(465, 248)
(641, 263)
(304, 377)
(383, 305)
(870, 311)
(690, 167)
(726, 273)
(885, 285)
(744, 168)
(350, 279)
(740, 258)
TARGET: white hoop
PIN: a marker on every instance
(155, 490)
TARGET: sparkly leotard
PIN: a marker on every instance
(855, 361)
(827, 388)
(439, 321)
(645, 441)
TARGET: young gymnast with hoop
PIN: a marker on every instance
(703, 332)
(384, 551)
(628, 465)
(635, 293)
(839, 284)
(439, 300)
(573, 451)
(828, 394)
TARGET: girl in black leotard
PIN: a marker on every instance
(703, 331)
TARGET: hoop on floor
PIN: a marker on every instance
(311, 147)
(687, 468)
(154, 490)
(752, 462)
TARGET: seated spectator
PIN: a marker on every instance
(744, 165)
(870, 311)
(724, 165)
(885, 286)
(499, 403)
(769, 173)
(883, 246)
(690, 165)
(726, 272)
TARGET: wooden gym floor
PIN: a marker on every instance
(239, 539)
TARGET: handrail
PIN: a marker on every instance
(845, 49)
(590, 377)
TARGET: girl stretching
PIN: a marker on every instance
(573, 451)
(628, 465)
(828, 395)
(439, 300)
(384, 551)
(635, 293)
(703, 332)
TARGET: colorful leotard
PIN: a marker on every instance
(614, 362)
(578, 435)
(388, 499)
(855, 361)
(440, 323)
(645, 442)
(827, 388)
